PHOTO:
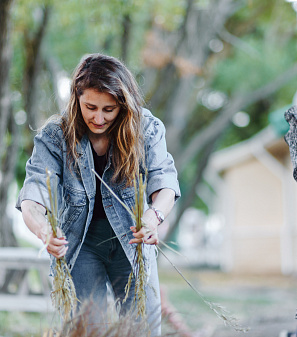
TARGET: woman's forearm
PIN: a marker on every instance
(163, 200)
(35, 219)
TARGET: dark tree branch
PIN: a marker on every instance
(238, 43)
(201, 139)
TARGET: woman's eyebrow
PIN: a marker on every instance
(87, 103)
(111, 105)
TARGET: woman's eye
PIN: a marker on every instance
(109, 110)
(90, 108)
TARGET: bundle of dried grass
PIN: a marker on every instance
(139, 273)
(63, 294)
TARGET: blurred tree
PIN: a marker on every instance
(198, 63)
(5, 58)
(9, 159)
(8, 130)
(183, 59)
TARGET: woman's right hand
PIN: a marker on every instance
(56, 246)
(35, 219)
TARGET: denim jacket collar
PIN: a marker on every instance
(86, 164)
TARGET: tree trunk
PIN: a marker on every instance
(173, 91)
(187, 201)
(7, 237)
(32, 69)
(125, 38)
(5, 57)
(7, 154)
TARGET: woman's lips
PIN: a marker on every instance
(98, 126)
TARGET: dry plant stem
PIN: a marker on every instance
(140, 273)
(219, 310)
(111, 191)
(63, 294)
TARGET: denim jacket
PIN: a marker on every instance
(76, 188)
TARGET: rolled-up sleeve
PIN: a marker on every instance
(47, 154)
(160, 164)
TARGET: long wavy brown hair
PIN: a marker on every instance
(107, 74)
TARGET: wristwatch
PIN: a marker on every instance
(159, 214)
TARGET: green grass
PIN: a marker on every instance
(19, 324)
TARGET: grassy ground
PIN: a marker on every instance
(266, 304)
(19, 324)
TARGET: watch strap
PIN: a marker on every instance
(159, 214)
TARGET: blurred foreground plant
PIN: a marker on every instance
(81, 325)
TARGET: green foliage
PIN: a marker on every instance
(97, 26)
(266, 29)
(269, 29)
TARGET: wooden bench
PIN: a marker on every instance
(25, 282)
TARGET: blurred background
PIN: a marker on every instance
(220, 74)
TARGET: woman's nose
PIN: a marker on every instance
(99, 119)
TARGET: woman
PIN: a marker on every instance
(104, 128)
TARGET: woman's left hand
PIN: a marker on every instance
(145, 235)
(149, 232)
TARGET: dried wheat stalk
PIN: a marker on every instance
(139, 273)
(63, 294)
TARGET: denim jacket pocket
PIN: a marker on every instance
(128, 197)
(75, 203)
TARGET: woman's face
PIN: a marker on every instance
(99, 110)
